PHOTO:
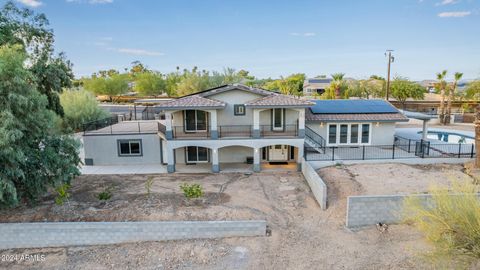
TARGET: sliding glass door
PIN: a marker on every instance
(195, 120)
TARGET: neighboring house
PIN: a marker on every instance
(315, 86)
(354, 122)
(227, 124)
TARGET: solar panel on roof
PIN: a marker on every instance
(352, 106)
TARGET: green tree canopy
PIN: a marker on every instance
(150, 84)
(473, 90)
(114, 85)
(402, 89)
(24, 27)
(33, 153)
(80, 106)
(291, 85)
(371, 88)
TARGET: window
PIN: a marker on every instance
(354, 133)
(277, 119)
(348, 134)
(129, 147)
(365, 133)
(195, 120)
(343, 133)
(292, 152)
(196, 154)
(239, 109)
(332, 134)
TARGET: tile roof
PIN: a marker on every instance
(229, 87)
(192, 102)
(278, 100)
(356, 117)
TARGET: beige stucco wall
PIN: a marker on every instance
(103, 149)
(234, 154)
(227, 116)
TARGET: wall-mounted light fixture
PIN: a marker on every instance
(321, 124)
(377, 124)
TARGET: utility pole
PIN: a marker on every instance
(390, 61)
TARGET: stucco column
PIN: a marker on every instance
(213, 124)
(424, 130)
(170, 159)
(215, 164)
(168, 125)
(301, 123)
(256, 123)
(299, 158)
(256, 160)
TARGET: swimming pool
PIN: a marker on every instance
(450, 137)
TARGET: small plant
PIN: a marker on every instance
(192, 191)
(105, 195)
(148, 185)
(62, 193)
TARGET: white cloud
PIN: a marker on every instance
(31, 3)
(136, 51)
(447, 2)
(307, 34)
(454, 14)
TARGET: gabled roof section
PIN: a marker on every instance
(278, 100)
(228, 87)
(192, 102)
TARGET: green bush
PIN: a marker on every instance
(451, 223)
(105, 195)
(62, 194)
(80, 106)
(192, 191)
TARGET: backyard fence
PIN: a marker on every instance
(401, 149)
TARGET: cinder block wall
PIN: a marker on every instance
(56, 234)
(318, 187)
(370, 210)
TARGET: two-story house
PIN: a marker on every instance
(219, 126)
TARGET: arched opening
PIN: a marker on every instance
(236, 158)
(280, 157)
(193, 158)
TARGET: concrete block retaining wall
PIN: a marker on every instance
(370, 210)
(55, 234)
(318, 187)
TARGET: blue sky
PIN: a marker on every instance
(269, 38)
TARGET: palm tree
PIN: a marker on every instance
(451, 94)
(337, 84)
(442, 84)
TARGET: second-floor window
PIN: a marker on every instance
(239, 109)
(277, 119)
(195, 120)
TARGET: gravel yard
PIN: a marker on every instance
(303, 236)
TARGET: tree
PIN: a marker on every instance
(150, 84)
(365, 88)
(477, 136)
(114, 85)
(402, 89)
(451, 94)
(291, 85)
(80, 106)
(33, 153)
(338, 84)
(442, 86)
(24, 27)
(473, 90)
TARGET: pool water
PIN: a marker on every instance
(449, 137)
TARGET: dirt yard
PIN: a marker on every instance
(303, 236)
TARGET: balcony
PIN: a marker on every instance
(236, 131)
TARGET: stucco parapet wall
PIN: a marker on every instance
(253, 143)
(56, 234)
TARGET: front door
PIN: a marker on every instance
(278, 152)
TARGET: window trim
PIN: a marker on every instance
(196, 122)
(349, 134)
(196, 161)
(129, 141)
(282, 118)
(235, 108)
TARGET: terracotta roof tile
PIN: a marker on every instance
(191, 102)
(278, 100)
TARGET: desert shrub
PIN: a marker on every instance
(105, 195)
(80, 106)
(192, 191)
(148, 185)
(451, 223)
(62, 194)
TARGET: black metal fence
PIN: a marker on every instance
(315, 139)
(98, 124)
(413, 149)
